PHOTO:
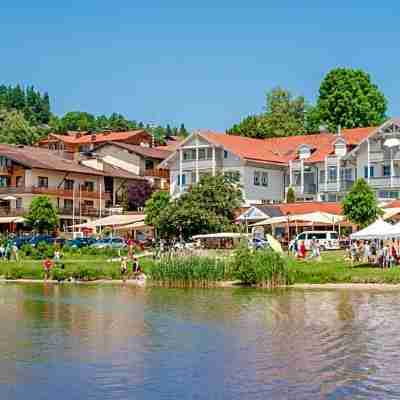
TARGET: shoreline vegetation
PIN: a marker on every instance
(243, 267)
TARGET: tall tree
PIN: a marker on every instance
(284, 115)
(360, 206)
(78, 121)
(207, 207)
(158, 202)
(348, 98)
(42, 215)
(15, 129)
(249, 126)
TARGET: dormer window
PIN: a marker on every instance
(304, 151)
(340, 147)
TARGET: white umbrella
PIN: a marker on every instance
(9, 198)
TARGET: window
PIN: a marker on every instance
(4, 181)
(183, 180)
(334, 236)
(371, 172)
(189, 155)
(347, 174)
(332, 174)
(4, 162)
(19, 181)
(386, 170)
(209, 153)
(202, 154)
(18, 202)
(322, 176)
(69, 184)
(225, 154)
(149, 164)
(296, 178)
(68, 204)
(43, 181)
(257, 178)
(264, 179)
(88, 186)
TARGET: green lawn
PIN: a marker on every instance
(334, 269)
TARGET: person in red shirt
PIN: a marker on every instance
(301, 250)
(47, 266)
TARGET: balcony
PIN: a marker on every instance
(54, 191)
(384, 181)
(309, 188)
(85, 212)
(333, 186)
(157, 173)
(12, 212)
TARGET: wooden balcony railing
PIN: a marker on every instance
(158, 173)
(54, 191)
(86, 212)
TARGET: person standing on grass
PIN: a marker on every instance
(124, 268)
(367, 252)
(136, 266)
(47, 266)
(301, 253)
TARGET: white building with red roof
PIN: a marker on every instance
(319, 167)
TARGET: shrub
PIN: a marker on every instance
(188, 271)
(264, 268)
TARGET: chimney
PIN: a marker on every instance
(93, 137)
(339, 130)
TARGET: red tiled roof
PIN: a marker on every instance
(282, 150)
(309, 207)
(393, 204)
(158, 153)
(97, 137)
(248, 148)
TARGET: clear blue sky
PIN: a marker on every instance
(207, 65)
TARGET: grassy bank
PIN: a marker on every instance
(261, 269)
(334, 269)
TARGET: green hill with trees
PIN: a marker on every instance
(26, 116)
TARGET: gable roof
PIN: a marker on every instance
(36, 157)
(86, 138)
(282, 150)
(157, 153)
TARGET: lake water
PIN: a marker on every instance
(105, 342)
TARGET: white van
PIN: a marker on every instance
(328, 240)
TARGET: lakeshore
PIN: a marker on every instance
(332, 272)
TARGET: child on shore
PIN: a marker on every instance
(47, 266)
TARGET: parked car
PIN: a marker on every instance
(328, 240)
(112, 242)
(81, 242)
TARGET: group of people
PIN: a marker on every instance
(299, 249)
(386, 254)
(9, 251)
